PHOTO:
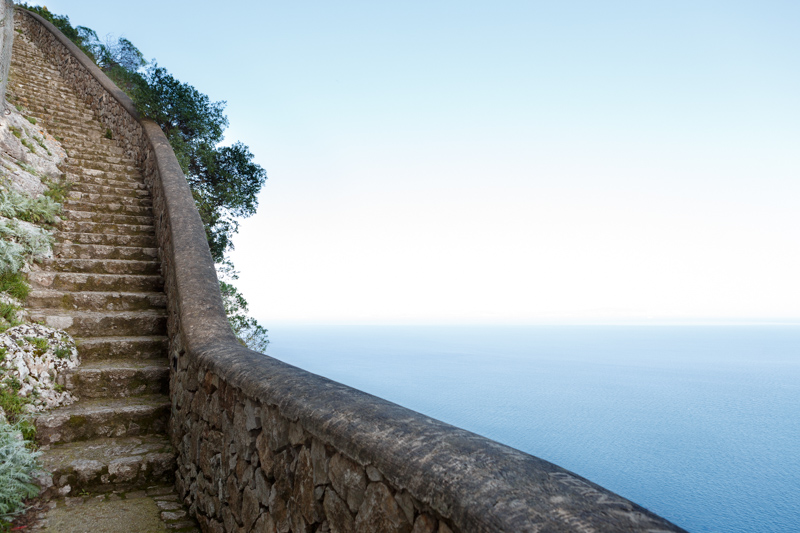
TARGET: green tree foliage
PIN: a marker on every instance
(224, 179)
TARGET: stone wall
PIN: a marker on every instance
(264, 446)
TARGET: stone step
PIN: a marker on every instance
(73, 118)
(79, 226)
(114, 208)
(56, 114)
(117, 378)
(107, 218)
(103, 323)
(77, 147)
(99, 165)
(88, 175)
(95, 348)
(106, 464)
(96, 301)
(76, 281)
(47, 93)
(86, 160)
(103, 180)
(95, 188)
(73, 128)
(92, 198)
(145, 241)
(103, 417)
(102, 266)
(100, 251)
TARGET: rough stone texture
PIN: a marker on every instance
(310, 438)
(140, 511)
(380, 513)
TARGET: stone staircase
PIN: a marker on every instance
(103, 286)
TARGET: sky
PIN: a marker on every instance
(524, 162)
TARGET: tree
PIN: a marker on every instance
(224, 179)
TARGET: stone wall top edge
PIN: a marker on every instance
(479, 481)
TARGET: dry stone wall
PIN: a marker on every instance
(267, 447)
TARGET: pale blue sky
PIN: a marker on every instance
(443, 161)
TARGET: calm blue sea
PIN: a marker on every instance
(699, 424)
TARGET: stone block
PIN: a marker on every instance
(251, 508)
(319, 461)
(303, 494)
(337, 513)
(380, 513)
(349, 480)
(424, 524)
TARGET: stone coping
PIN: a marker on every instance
(477, 484)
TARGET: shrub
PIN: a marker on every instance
(17, 464)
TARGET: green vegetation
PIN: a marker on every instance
(17, 464)
(16, 132)
(40, 345)
(41, 209)
(224, 179)
(27, 144)
(13, 405)
(249, 332)
(61, 352)
(8, 315)
(58, 190)
(13, 284)
(31, 120)
(21, 244)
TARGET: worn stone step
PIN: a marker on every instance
(93, 198)
(100, 165)
(146, 241)
(80, 175)
(94, 188)
(103, 180)
(47, 93)
(77, 147)
(99, 157)
(76, 281)
(107, 218)
(115, 208)
(102, 266)
(117, 378)
(103, 323)
(103, 417)
(101, 251)
(79, 226)
(67, 127)
(144, 347)
(106, 464)
(54, 113)
(95, 301)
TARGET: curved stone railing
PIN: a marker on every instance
(265, 446)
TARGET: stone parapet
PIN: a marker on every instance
(265, 446)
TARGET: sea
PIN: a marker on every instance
(699, 424)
